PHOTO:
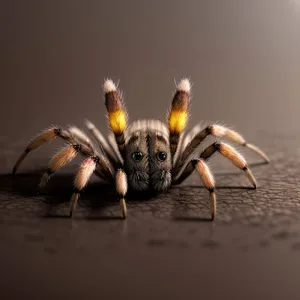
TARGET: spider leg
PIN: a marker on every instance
(112, 143)
(83, 175)
(206, 177)
(102, 143)
(221, 131)
(86, 150)
(122, 186)
(178, 114)
(44, 137)
(60, 159)
(217, 131)
(117, 114)
(228, 152)
(80, 137)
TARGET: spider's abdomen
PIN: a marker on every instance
(147, 160)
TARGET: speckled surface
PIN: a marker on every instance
(166, 247)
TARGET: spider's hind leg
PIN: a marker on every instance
(216, 131)
(68, 153)
(226, 151)
(221, 131)
(42, 138)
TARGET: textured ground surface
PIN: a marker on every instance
(243, 60)
(166, 247)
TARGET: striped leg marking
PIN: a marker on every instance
(178, 115)
(117, 115)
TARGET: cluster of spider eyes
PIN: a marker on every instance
(137, 156)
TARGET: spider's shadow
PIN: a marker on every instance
(55, 197)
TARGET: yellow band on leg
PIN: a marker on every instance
(177, 121)
(117, 121)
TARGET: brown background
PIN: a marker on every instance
(243, 59)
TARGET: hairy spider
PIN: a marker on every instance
(148, 155)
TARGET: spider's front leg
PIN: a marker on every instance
(207, 179)
(117, 114)
(86, 169)
(122, 187)
(92, 164)
(178, 115)
(83, 175)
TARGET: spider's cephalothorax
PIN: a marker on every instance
(148, 155)
(147, 159)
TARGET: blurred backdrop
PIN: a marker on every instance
(243, 58)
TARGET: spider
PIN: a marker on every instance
(148, 155)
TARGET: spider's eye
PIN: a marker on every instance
(161, 156)
(137, 156)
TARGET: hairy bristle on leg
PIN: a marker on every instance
(109, 86)
(258, 151)
(102, 142)
(205, 174)
(83, 175)
(217, 131)
(208, 181)
(238, 160)
(117, 114)
(80, 136)
(60, 159)
(229, 152)
(178, 115)
(189, 148)
(221, 131)
(35, 143)
(184, 85)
